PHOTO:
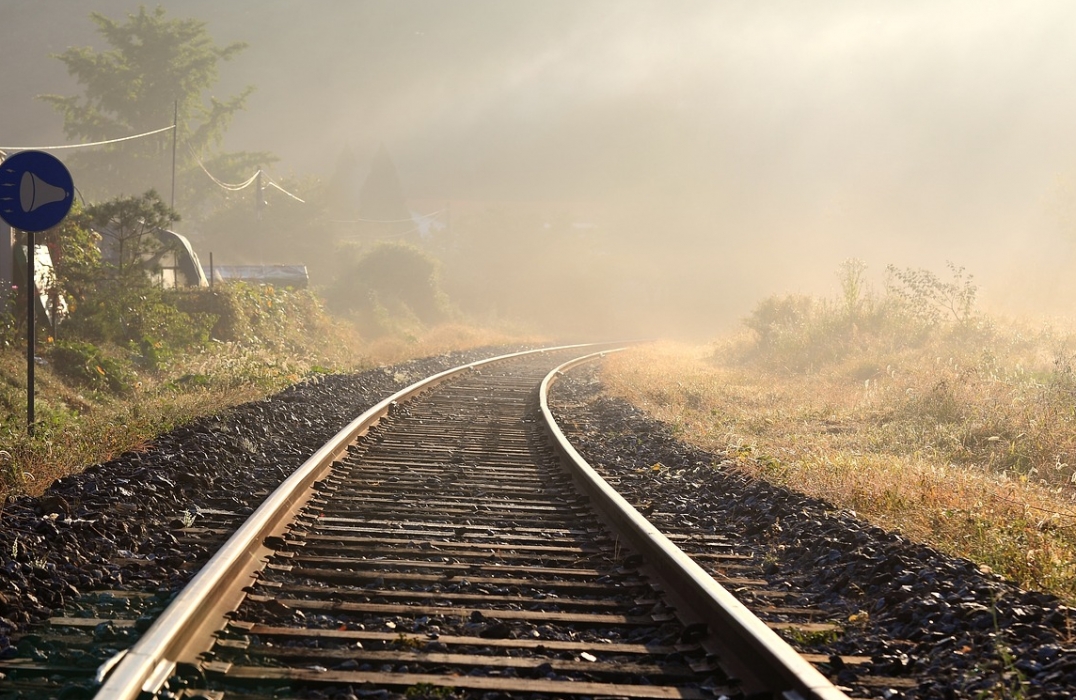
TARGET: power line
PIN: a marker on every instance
(273, 184)
(86, 145)
(243, 185)
(225, 185)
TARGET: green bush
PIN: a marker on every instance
(225, 303)
(390, 285)
(802, 333)
(85, 364)
(931, 299)
(254, 314)
(798, 333)
(145, 320)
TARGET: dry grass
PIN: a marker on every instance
(78, 427)
(966, 446)
(443, 338)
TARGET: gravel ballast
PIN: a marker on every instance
(917, 613)
(110, 527)
(939, 620)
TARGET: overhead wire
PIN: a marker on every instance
(273, 184)
(219, 183)
(87, 145)
(246, 183)
(223, 185)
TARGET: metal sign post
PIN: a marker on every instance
(31, 334)
(36, 192)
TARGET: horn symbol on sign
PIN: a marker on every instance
(35, 192)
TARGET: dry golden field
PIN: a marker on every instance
(964, 439)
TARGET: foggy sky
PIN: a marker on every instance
(762, 141)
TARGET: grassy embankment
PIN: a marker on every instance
(96, 402)
(920, 415)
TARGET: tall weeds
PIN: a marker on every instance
(909, 406)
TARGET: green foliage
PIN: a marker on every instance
(156, 68)
(76, 256)
(127, 225)
(87, 365)
(853, 287)
(801, 333)
(254, 314)
(390, 281)
(112, 300)
(224, 303)
(777, 317)
(146, 321)
(930, 298)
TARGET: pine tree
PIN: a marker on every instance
(157, 69)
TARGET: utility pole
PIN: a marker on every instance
(259, 194)
(175, 131)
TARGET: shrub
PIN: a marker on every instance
(85, 364)
(929, 298)
(258, 315)
(800, 333)
(146, 320)
(792, 332)
(225, 303)
(391, 284)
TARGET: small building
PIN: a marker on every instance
(171, 264)
(175, 264)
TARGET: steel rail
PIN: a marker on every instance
(746, 646)
(200, 607)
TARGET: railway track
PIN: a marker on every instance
(449, 552)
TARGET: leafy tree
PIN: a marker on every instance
(157, 68)
(127, 226)
(76, 256)
(932, 299)
(121, 305)
(388, 284)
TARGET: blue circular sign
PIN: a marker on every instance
(36, 191)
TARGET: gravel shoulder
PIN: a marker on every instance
(917, 613)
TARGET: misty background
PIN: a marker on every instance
(682, 159)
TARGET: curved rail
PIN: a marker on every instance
(200, 606)
(748, 648)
